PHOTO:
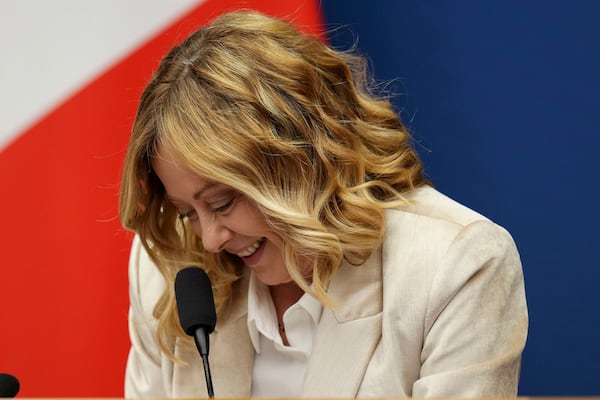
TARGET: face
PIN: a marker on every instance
(224, 219)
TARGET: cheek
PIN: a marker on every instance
(249, 218)
(195, 227)
(276, 240)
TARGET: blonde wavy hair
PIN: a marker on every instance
(250, 102)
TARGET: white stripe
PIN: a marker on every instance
(49, 49)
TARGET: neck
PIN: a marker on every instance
(284, 296)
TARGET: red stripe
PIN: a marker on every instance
(63, 291)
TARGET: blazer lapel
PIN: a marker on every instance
(348, 335)
(232, 360)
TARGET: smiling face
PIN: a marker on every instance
(224, 219)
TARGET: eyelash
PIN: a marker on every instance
(223, 208)
(185, 215)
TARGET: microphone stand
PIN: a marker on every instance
(201, 339)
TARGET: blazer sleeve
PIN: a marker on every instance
(476, 319)
(143, 372)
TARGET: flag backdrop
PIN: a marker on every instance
(501, 96)
(71, 74)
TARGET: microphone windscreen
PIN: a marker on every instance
(195, 302)
(9, 385)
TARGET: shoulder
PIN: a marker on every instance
(432, 219)
(434, 239)
(426, 202)
(146, 283)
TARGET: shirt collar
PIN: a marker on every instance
(261, 311)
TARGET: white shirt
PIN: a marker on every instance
(279, 369)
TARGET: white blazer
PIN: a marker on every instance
(438, 311)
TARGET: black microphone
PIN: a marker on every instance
(9, 385)
(197, 315)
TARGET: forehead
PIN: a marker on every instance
(179, 182)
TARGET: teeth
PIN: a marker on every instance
(251, 249)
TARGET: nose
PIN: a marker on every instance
(214, 235)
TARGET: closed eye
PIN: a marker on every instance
(191, 215)
(224, 207)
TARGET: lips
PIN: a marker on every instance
(251, 249)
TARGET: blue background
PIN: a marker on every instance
(502, 98)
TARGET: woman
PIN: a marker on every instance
(262, 156)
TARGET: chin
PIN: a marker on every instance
(274, 280)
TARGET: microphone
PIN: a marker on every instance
(197, 315)
(9, 385)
